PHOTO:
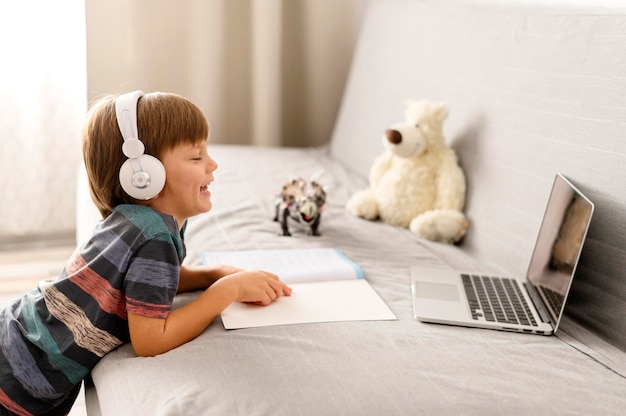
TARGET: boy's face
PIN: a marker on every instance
(189, 171)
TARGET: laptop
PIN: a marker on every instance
(533, 304)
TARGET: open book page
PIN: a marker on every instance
(292, 266)
(330, 301)
(327, 287)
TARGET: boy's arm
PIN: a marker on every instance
(200, 277)
(152, 336)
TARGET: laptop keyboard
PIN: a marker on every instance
(497, 300)
(555, 299)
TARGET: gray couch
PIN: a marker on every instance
(533, 90)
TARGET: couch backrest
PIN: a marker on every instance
(533, 89)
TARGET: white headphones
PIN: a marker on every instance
(142, 176)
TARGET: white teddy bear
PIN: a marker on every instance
(416, 182)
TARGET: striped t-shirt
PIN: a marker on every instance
(53, 336)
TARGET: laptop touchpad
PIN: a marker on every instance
(437, 291)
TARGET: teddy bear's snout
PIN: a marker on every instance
(393, 136)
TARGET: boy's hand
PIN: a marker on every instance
(257, 286)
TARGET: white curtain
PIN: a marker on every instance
(43, 100)
(265, 72)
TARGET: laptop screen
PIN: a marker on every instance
(559, 244)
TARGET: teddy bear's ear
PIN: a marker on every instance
(440, 111)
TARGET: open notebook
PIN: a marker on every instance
(327, 287)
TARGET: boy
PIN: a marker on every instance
(120, 285)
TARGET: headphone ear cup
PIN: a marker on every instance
(145, 184)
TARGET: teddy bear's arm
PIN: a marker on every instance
(451, 186)
(380, 165)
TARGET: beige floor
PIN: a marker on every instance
(21, 269)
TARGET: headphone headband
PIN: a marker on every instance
(126, 112)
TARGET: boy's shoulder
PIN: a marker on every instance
(151, 222)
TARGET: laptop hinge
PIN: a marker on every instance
(536, 299)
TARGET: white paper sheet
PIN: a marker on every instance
(329, 301)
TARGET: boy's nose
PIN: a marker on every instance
(211, 165)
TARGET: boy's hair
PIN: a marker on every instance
(163, 121)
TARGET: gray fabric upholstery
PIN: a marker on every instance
(532, 91)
